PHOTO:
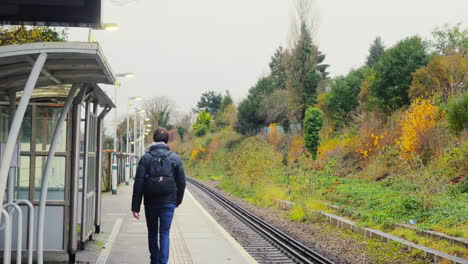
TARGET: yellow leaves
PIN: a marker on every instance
(296, 149)
(275, 136)
(196, 153)
(374, 145)
(22, 34)
(444, 75)
(420, 117)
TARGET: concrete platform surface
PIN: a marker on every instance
(195, 236)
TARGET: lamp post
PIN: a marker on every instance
(136, 144)
(114, 153)
(127, 163)
(143, 132)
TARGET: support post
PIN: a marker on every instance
(75, 172)
(46, 172)
(11, 172)
(97, 207)
(84, 193)
(17, 120)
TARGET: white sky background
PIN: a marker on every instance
(181, 48)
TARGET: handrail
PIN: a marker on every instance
(30, 236)
(7, 237)
(19, 229)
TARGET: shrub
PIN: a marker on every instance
(296, 149)
(275, 136)
(457, 114)
(297, 213)
(202, 124)
(253, 162)
(313, 122)
(420, 118)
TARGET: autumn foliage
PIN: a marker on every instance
(444, 75)
(418, 120)
(22, 34)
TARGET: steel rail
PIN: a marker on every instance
(281, 239)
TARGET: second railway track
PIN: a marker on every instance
(270, 245)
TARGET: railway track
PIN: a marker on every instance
(269, 244)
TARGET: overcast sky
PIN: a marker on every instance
(180, 49)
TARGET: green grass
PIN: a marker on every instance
(384, 203)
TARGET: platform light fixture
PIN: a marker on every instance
(110, 26)
(126, 74)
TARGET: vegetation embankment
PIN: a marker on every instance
(386, 143)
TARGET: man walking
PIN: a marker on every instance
(160, 179)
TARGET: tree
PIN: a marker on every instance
(445, 75)
(247, 115)
(160, 111)
(450, 40)
(367, 102)
(183, 124)
(277, 68)
(22, 34)
(227, 101)
(274, 108)
(226, 118)
(249, 118)
(313, 123)
(306, 72)
(393, 72)
(303, 77)
(210, 101)
(375, 51)
(202, 123)
(342, 99)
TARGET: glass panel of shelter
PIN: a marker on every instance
(35, 137)
(22, 174)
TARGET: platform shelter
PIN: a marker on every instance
(51, 126)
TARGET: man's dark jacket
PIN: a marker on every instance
(144, 166)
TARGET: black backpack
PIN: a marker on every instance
(160, 180)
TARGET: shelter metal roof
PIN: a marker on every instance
(58, 93)
(67, 63)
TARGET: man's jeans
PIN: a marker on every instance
(162, 213)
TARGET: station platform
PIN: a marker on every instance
(195, 236)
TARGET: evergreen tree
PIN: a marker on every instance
(375, 51)
(227, 100)
(278, 71)
(210, 101)
(342, 99)
(313, 123)
(304, 74)
(249, 110)
(393, 72)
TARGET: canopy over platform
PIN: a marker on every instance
(67, 63)
(59, 93)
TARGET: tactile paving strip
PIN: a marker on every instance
(179, 253)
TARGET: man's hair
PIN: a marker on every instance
(161, 135)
